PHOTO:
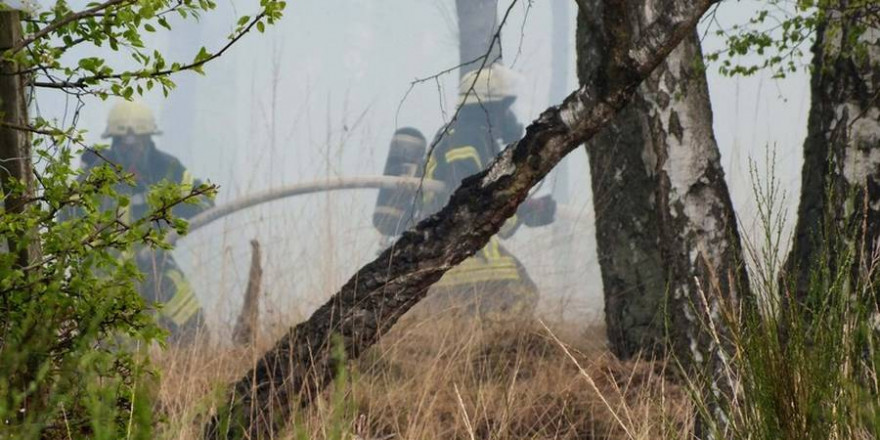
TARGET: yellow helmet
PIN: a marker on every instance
(490, 84)
(132, 116)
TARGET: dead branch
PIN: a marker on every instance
(247, 326)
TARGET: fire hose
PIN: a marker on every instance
(319, 186)
(298, 189)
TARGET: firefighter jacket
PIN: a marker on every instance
(164, 282)
(462, 149)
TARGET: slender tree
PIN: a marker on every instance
(15, 143)
(623, 169)
(839, 212)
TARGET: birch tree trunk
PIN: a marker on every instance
(839, 211)
(667, 237)
(301, 363)
(665, 223)
(624, 182)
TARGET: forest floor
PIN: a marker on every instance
(450, 378)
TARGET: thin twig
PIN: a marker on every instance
(67, 19)
(143, 74)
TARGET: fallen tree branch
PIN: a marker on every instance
(370, 303)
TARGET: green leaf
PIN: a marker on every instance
(202, 55)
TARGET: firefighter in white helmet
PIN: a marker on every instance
(131, 127)
(493, 283)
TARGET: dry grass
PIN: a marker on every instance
(447, 378)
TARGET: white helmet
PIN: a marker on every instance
(490, 84)
(130, 116)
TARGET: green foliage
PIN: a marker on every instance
(119, 25)
(73, 327)
(71, 319)
(807, 364)
(779, 36)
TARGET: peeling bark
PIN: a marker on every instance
(247, 326)
(301, 364)
(664, 214)
(839, 211)
(700, 240)
(668, 242)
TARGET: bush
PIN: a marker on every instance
(71, 322)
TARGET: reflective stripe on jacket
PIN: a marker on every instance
(456, 156)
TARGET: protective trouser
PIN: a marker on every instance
(491, 285)
(165, 286)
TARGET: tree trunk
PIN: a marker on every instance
(247, 326)
(668, 242)
(624, 181)
(839, 211)
(663, 212)
(477, 25)
(302, 362)
(15, 140)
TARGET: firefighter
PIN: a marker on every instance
(492, 284)
(131, 126)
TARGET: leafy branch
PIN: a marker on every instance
(67, 314)
(202, 58)
(118, 24)
(777, 34)
(65, 20)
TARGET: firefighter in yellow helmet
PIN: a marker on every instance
(492, 284)
(130, 127)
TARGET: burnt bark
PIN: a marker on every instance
(477, 25)
(668, 242)
(301, 363)
(247, 325)
(839, 211)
